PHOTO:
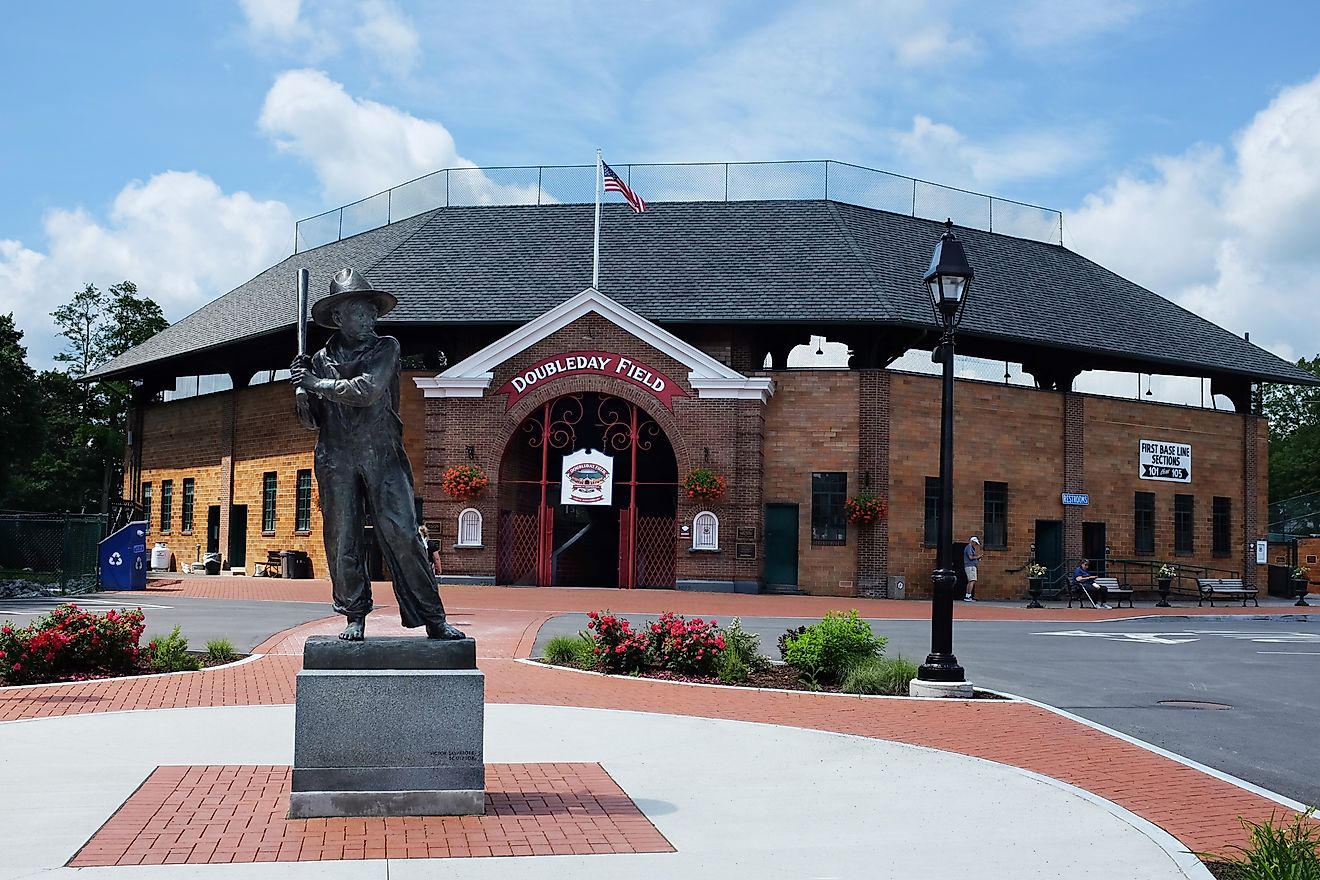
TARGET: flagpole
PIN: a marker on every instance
(595, 252)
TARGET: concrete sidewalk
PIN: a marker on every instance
(744, 800)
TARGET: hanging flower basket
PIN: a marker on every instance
(464, 482)
(865, 509)
(703, 484)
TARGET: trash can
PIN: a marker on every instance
(212, 563)
(295, 564)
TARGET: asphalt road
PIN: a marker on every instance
(244, 624)
(1122, 674)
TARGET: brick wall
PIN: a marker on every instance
(811, 424)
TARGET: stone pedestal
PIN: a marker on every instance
(958, 690)
(388, 727)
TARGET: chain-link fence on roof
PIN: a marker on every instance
(696, 182)
(1297, 517)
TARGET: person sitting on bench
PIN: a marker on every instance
(1085, 582)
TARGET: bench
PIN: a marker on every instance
(1112, 591)
(1209, 589)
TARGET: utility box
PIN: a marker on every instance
(122, 558)
(897, 587)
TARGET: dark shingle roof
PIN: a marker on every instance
(814, 262)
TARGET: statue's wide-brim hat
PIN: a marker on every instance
(350, 284)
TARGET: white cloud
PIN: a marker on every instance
(177, 236)
(385, 32)
(359, 147)
(1039, 23)
(1230, 237)
(316, 32)
(940, 152)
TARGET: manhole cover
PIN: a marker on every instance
(1193, 704)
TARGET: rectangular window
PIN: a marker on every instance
(189, 498)
(995, 532)
(268, 501)
(829, 491)
(931, 533)
(1143, 521)
(166, 506)
(302, 517)
(146, 504)
(1183, 507)
(1221, 526)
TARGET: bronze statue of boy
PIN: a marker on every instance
(350, 393)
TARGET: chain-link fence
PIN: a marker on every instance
(49, 553)
(1293, 518)
(696, 182)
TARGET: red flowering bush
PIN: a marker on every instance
(617, 647)
(69, 643)
(688, 647)
(464, 481)
(704, 484)
(865, 509)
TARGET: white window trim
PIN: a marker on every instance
(696, 533)
(481, 525)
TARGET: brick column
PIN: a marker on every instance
(1251, 489)
(1074, 472)
(873, 459)
(749, 473)
(228, 423)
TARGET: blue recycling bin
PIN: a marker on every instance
(122, 558)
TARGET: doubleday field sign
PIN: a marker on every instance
(1171, 462)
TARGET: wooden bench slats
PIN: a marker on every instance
(1224, 588)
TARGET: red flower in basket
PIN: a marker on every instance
(865, 509)
(704, 484)
(464, 481)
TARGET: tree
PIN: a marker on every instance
(20, 408)
(97, 327)
(1294, 416)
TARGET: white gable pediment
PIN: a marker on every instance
(472, 376)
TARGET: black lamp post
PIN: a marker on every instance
(948, 280)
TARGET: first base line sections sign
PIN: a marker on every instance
(595, 363)
(1171, 462)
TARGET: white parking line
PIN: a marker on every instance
(1293, 653)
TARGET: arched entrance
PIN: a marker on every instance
(630, 543)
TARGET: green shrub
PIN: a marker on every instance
(220, 651)
(880, 675)
(170, 654)
(744, 646)
(1276, 851)
(575, 650)
(731, 668)
(825, 651)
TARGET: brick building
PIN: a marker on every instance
(512, 365)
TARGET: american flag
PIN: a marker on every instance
(614, 183)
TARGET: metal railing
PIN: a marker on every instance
(51, 553)
(684, 182)
(1140, 574)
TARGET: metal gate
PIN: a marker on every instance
(644, 499)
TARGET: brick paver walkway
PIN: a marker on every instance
(1198, 809)
(229, 814)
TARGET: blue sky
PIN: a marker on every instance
(175, 144)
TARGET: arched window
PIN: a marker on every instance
(469, 528)
(705, 531)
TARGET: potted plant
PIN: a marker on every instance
(1164, 576)
(1301, 581)
(865, 509)
(703, 484)
(1035, 577)
(464, 482)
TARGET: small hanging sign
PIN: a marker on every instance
(588, 478)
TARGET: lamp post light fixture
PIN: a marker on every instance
(949, 279)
